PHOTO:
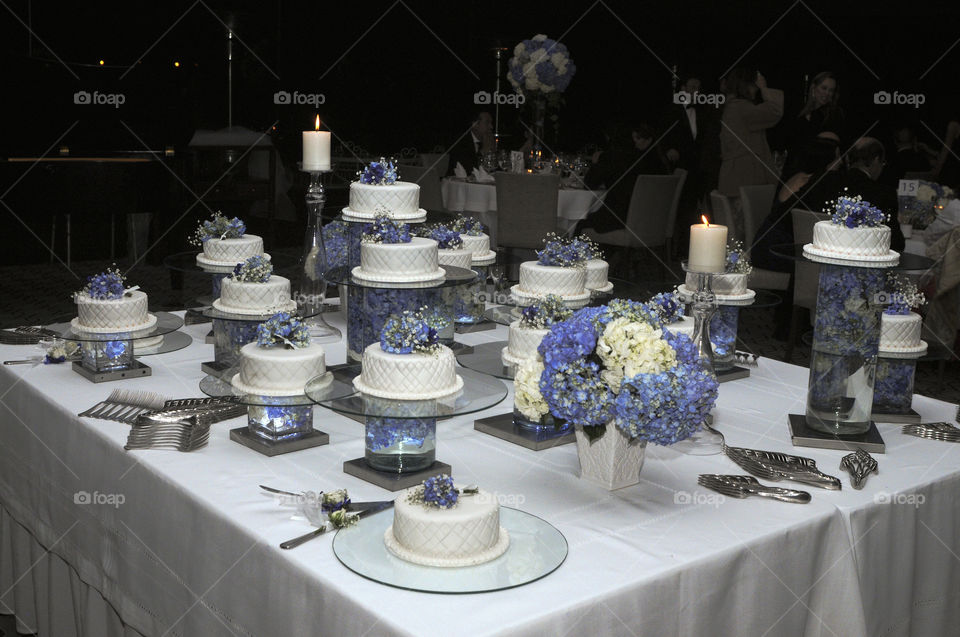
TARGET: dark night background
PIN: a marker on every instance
(403, 74)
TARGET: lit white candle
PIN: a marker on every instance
(316, 148)
(708, 247)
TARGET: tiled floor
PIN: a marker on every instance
(42, 294)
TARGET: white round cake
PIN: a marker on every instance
(278, 371)
(126, 314)
(399, 200)
(467, 534)
(730, 284)
(399, 262)
(597, 272)
(479, 245)
(684, 326)
(246, 297)
(522, 344)
(900, 333)
(221, 252)
(458, 258)
(413, 376)
(537, 281)
(838, 241)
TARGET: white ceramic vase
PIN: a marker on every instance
(613, 461)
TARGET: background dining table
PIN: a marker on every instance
(480, 199)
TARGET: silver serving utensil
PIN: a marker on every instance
(27, 361)
(774, 465)
(742, 486)
(859, 464)
(297, 541)
(281, 491)
(942, 431)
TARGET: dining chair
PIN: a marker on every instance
(756, 203)
(806, 274)
(723, 213)
(526, 210)
(672, 217)
(648, 216)
(429, 181)
(438, 161)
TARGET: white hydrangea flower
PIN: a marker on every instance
(926, 193)
(526, 389)
(538, 56)
(519, 50)
(559, 59)
(628, 348)
(539, 37)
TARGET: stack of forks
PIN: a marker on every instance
(25, 335)
(162, 431)
(942, 431)
(125, 405)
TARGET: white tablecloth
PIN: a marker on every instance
(481, 200)
(192, 549)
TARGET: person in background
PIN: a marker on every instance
(745, 154)
(911, 156)
(631, 152)
(865, 162)
(468, 149)
(947, 169)
(821, 112)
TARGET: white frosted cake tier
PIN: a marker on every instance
(522, 344)
(597, 272)
(548, 279)
(400, 201)
(399, 262)
(478, 244)
(730, 284)
(230, 251)
(901, 333)
(684, 326)
(456, 258)
(411, 376)
(105, 315)
(851, 243)
(244, 297)
(572, 301)
(278, 371)
(466, 534)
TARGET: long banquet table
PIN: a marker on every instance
(481, 199)
(192, 548)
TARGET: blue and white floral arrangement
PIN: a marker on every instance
(467, 225)
(563, 252)
(386, 230)
(379, 173)
(903, 295)
(218, 227)
(437, 492)
(737, 261)
(105, 286)
(410, 332)
(540, 65)
(285, 330)
(446, 238)
(853, 212)
(256, 269)
(544, 313)
(615, 365)
(336, 242)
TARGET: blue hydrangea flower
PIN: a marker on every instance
(108, 285)
(256, 269)
(386, 230)
(283, 329)
(379, 173)
(409, 332)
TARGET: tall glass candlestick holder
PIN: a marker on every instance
(703, 304)
(312, 284)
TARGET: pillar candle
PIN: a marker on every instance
(708, 247)
(316, 149)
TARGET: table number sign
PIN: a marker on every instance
(908, 187)
(516, 162)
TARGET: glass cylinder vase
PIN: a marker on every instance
(844, 354)
(400, 445)
(723, 336)
(893, 387)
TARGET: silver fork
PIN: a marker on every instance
(742, 486)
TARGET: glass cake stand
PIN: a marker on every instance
(485, 358)
(536, 549)
(400, 435)
(112, 356)
(276, 424)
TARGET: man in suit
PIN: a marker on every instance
(468, 149)
(689, 142)
(866, 160)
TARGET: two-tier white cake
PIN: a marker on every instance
(400, 200)
(416, 261)
(413, 376)
(467, 534)
(229, 252)
(537, 281)
(900, 334)
(252, 297)
(125, 315)
(278, 371)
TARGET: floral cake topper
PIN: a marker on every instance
(544, 313)
(437, 492)
(470, 226)
(256, 269)
(666, 306)
(446, 238)
(385, 230)
(105, 286)
(379, 173)
(564, 252)
(283, 329)
(737, 262)
(903, 296)
(853, 212)
(410, 332)
(218, 227)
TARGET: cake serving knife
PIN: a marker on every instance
(297, 541)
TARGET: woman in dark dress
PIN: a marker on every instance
(820, 113)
